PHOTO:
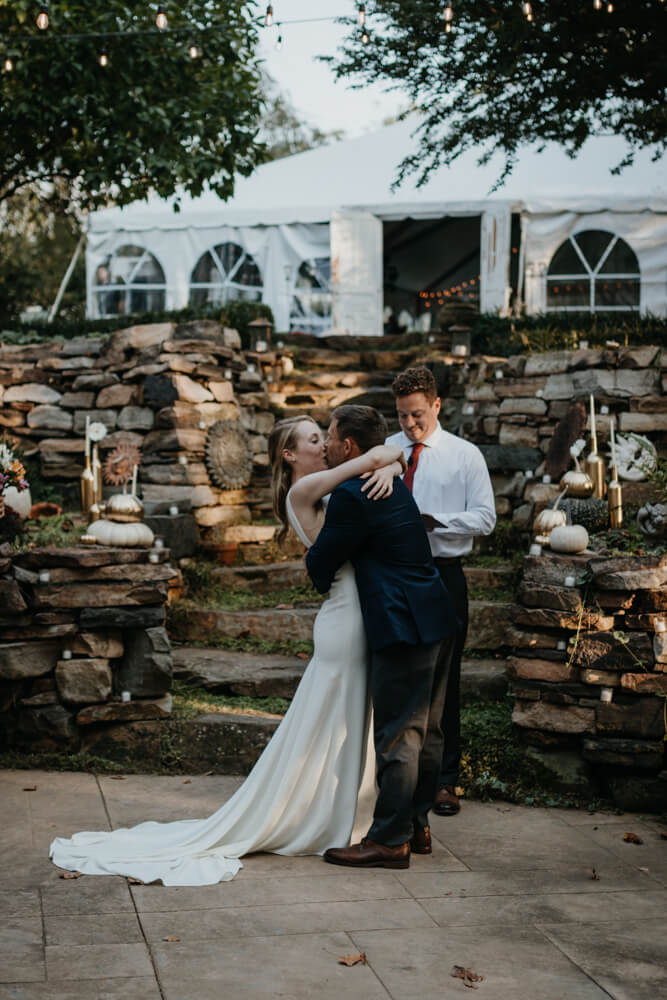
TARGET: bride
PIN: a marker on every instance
(314, 785)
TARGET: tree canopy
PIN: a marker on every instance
(152, 119)
(497, 80)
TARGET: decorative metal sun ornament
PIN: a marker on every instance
(228, 455)
(120, 463)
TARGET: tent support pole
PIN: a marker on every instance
(521, 277)
(66, 279)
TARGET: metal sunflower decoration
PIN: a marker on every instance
(120, 463)
(228, 455)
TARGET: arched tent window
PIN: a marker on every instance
(594, 271)
(311, 302)
(223, 274)
(129, 280)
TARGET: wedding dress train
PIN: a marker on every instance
(312, 788)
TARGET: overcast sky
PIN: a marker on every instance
(310, 85)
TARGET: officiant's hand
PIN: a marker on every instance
(379, 484)
(430, 522)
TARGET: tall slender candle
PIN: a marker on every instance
(612, 440)
(593, 431)
(87, 438)
(134, 480)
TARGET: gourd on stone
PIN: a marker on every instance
(549, 518)
(593, 514)
(577, 482)
(568, 538)
(134, 534)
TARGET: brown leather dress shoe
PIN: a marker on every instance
(421, 841)
(368, 854)
(447, 802)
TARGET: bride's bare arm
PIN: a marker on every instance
(309, 490)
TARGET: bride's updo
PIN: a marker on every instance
(283, 437)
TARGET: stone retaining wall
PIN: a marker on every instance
(589, 670)
(77, 627)
(158, 387)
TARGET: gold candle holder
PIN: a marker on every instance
(615, 496)
(595, 467)
(87, 487)
(97, 475)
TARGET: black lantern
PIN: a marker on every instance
(259, 332)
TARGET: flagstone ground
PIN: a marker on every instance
(508, 892)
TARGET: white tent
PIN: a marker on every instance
(305, 234)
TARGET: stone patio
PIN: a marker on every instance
(508, 893)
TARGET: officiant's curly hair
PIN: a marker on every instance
(283, 437)
(418, 379)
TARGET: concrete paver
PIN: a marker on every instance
(507, 892)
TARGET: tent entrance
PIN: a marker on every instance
(426, 263)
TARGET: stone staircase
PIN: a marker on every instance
(230, 741)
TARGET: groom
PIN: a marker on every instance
(410, 627)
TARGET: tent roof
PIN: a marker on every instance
(358, 173)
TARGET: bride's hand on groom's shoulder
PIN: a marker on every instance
(379, 484)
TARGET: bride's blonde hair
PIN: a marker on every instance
(283, 437)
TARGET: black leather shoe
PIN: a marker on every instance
(368, 854)
(421, 841)
(447, 802)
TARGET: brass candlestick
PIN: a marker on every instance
(595, 467)
(615, 495)
(87, 487)
(97, 475)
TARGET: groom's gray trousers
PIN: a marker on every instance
(408, 685)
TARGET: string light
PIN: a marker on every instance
(279, 41)
(597, 4)
(104, 59)
(610, 8)
(8, 64)
(528, 11)
(161, 18)
(194, 51)
(362, 14)
(448, 14)
(365, 37)
(42, 21)
(268, 17)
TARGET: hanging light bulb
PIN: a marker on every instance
(194, 51)
(597, 4)
(362, 14)
(448, 14)
(365, 37)
(8, 63)
(528, 11)
(161, 18)
(43, 17)
(279, 43)
(610, 8)
(103, 59)
(268, 17)
(448, 27)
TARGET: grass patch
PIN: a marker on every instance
(190, 702)
(63, 761)
(501, 595)
(244, 644)
(59, 530)
(495, 764)
(203, 590)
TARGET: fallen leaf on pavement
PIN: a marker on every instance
(303, 656)
(30, 788)
(187, 781)
(71, 874)
(284, 607)
(643, 870)
(117, 777)
(207, 773)
(595, 876)
(469, 976)
(359, 959)
(171, 937)
(135, 881)
(632, 838)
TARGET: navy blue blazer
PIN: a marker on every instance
(402, 596)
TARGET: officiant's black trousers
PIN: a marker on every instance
(408, 691)
(453, 577)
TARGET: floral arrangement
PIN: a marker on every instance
(12, 472)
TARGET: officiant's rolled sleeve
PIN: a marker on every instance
(343, 531)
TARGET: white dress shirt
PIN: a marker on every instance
(451, 483)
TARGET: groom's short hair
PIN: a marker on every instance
(364, 424)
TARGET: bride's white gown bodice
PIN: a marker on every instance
(312, 788)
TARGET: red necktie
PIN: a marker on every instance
(413, 461)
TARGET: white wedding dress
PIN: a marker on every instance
(312, 788)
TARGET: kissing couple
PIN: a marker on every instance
(353, 768)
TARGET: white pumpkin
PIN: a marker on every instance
(550, 518)
(135, 535)
(569, 538)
